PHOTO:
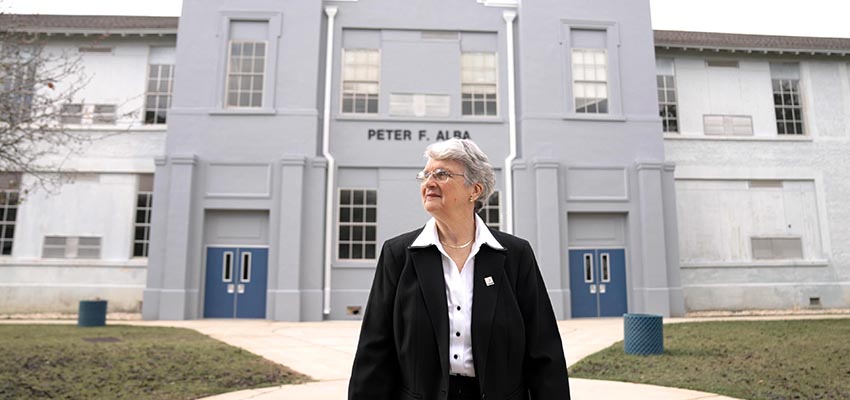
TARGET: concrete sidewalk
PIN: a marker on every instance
(325, 350)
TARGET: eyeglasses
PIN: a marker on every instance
(440, 175)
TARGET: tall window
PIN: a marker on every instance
(361, 71)
(358, 222)
(667, 109)
(9, 197)
(142, 226)
(158, 94)
(490, 212)
(786, 98)
(17, 82)
(246, 64)
(590, 71)
(478, 83)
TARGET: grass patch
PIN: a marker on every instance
(126, 362)
(772, 360)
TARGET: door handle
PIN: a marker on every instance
(230, 288)
(592, 289)
(240, 288)
(602, 288)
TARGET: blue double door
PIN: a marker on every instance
(236, 282)
(598, 283)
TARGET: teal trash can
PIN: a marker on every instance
(643, 334)
(92, 313)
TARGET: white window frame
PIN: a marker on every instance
(489, 207)
(474, 87)
(237, 77)
(270, 79)
(795, 93)
(665, 83)
(343, 92)
(590, 82)
(10, 191)
(351, 241)
(612, 42)
(157, 95)
(145, 225)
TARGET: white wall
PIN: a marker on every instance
(717, 210)
(745, 90)
(717, 218)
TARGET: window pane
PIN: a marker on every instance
(356, 251)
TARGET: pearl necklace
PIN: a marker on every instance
(457, 247)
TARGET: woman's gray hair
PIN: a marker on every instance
(477, 168)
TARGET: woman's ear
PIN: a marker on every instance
(477, 190)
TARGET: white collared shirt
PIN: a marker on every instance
(459, 287)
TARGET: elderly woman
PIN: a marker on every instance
(458, 311)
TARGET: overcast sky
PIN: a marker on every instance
(774, 17)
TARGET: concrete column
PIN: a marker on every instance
(284, 289)
(671, 229)
(525, 219)
(156, 252)
(653, 239)
(548, 232)
(174, 300)
(312, 233)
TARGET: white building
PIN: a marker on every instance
(761, 143)
(89, 236)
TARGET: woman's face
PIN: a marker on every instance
(450, 198)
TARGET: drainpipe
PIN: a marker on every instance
(509, 17)
(326, 152)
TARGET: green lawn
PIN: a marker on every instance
(125, 362)
(771, 360)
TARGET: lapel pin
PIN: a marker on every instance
(489, 281)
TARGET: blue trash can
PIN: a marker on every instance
(92, 313)
(644, 334)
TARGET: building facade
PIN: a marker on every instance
(760, 139)
(86, 233)
(297, 128)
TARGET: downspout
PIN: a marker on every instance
(509, 17)
(326, 152)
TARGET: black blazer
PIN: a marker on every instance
(403, 348)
